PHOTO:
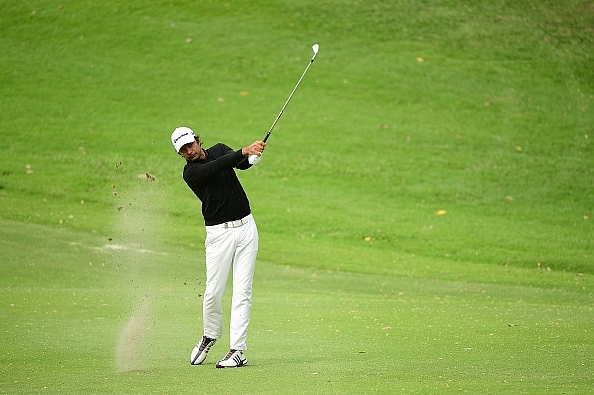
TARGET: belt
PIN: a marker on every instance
(234, 224)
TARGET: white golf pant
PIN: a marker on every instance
(230, 246)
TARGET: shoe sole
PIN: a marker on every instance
(231, 367)
(239, 365)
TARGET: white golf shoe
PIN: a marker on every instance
(200, 352)
(233, 359)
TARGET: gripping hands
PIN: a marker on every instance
(254, 152)
(254, 159)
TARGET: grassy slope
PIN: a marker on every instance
(492, 126)
(415, 137)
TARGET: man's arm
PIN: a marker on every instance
(243, 164)
(197, 173)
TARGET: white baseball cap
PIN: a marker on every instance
(182, 136)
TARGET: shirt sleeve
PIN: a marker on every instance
(196, 173)
(243, 164)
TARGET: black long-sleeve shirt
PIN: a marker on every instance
(216, 185)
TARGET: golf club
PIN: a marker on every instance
(254, 159)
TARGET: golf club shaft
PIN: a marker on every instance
(290, 96)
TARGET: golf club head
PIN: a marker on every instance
(315, 48)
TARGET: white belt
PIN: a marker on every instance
(233, 224)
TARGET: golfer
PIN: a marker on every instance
(231, 238)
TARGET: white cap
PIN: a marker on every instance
(182, 136)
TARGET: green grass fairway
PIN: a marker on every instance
(85, 317)
(425, 203)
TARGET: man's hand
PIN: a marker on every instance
(256, 148)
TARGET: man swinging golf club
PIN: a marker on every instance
(231, 233)
(231, 238)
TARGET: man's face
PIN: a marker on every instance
(191, 151)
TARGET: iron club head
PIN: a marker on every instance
(315, 48)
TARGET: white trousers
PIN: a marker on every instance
(230, 248)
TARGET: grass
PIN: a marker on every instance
(479, 111)
(408, 334)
